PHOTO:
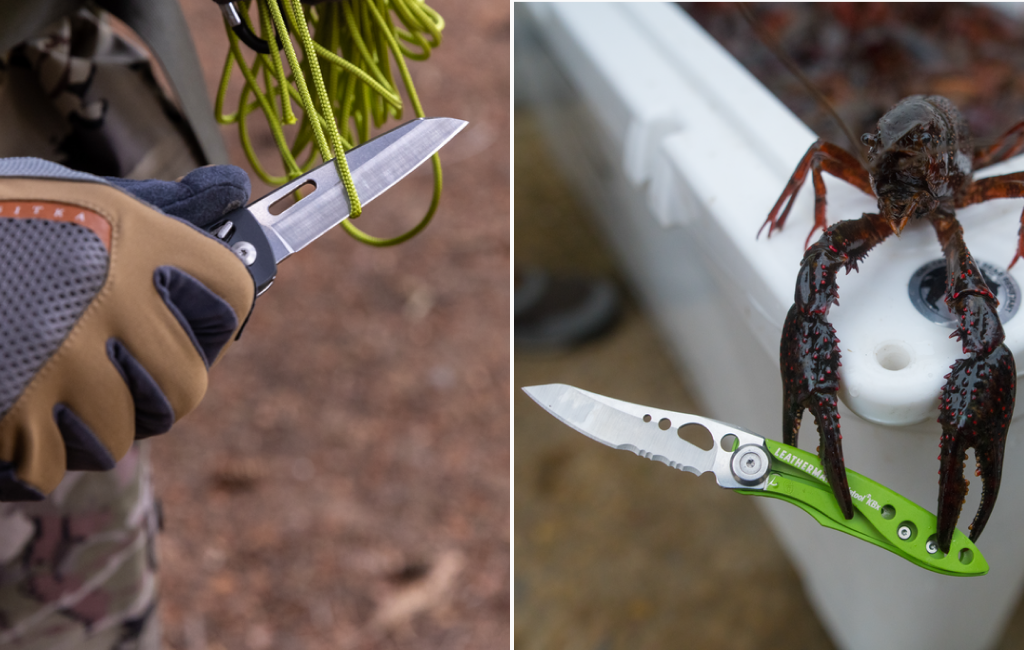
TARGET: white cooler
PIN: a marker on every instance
(682, 153)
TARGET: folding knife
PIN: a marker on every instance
(750, 464)
(262, 239)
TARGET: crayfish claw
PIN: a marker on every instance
(975, 409)
(826, 415)
(990, 468)
(952, 487)
(792, 415)
(811, 381)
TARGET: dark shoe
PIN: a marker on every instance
(561, 311)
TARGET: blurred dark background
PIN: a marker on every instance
(345, 482)
(864, 58)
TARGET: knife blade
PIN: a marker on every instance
(649, 433)
(261, 239)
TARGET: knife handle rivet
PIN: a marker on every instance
(750, 464)
(245, 252)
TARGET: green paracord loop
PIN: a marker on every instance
(346, 58)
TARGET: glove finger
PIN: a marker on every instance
(83, 449)
(201, 197)
(153, 412)
(13, 489)
(206, 317)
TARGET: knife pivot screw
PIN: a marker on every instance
(906, 531)
(245, 252)
(931, 546)
(750, 464)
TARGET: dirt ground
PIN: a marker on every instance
(613, 551)
(345, 483)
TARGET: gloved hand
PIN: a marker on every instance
(111, 312)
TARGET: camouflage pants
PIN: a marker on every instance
(78, 570)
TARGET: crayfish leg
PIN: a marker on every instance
(1008, 145)
(820, 157)
(1007, 186)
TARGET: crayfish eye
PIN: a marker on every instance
(868, 139)
(926, 138)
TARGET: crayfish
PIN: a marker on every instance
(920, 162)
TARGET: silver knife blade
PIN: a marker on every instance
(636, 428)
(375, 166)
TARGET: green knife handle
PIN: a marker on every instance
(881, 516)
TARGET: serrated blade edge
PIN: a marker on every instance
(621, 425)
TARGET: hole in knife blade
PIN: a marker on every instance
(729, 442)
(664, 424)
(696, 434)
(291, 198)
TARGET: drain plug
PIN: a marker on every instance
(928, 291)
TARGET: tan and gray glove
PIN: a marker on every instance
(111, 312)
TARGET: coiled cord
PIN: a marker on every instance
(347, 48)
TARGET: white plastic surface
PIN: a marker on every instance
(683, 153)
(717, 149)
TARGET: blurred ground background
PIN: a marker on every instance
(613, 551)
(345, 483)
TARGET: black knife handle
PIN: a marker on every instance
(240, 230)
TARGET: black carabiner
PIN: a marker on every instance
(231, 14)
